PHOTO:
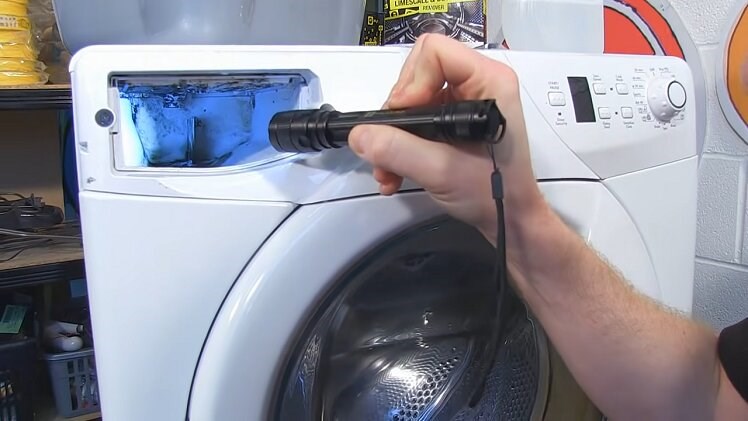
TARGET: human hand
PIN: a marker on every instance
(457, 177)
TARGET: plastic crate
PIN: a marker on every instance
(74, 382)
(17, 380)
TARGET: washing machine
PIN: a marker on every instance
(230, 281)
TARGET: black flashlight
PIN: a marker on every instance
(478, 121)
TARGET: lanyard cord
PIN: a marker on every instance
(500, 277)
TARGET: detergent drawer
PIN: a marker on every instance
(207, 121)
(192, 121)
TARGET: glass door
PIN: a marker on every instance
(403, 335)
(380, 308)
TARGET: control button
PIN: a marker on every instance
(604, 113)
(622, 88)
(627, 112)
(556, 99)
(676, 94)
(599, 88)
(666, 97)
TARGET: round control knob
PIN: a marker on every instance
(666, 97)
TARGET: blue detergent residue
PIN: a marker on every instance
(202, 124)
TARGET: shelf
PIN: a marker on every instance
(42, 263)
(35, 97)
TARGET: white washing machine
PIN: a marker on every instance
(228, 281)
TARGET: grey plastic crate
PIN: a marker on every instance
(74, 382)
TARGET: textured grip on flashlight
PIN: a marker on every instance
(477, 121)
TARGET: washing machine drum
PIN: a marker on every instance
(404, 336)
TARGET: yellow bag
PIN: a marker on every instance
(22, 78)
(14, 16)
(20, 65)
(14, 23)
(20, 51)
(14, 8)
(15, 37)
(17, 44)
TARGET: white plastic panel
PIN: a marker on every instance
(158, 270)
(605, 225)
(662, 202)
(359, 78)
(240, 362)
(610, 142)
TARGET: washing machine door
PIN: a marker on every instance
(379, 308)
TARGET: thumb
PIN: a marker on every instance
(399, 152)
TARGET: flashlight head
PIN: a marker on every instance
(301, 130)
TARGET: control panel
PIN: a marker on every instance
(618, 113)
(648, 96)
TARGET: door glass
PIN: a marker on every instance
(401, 336)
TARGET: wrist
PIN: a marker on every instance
(520, 212)
(542, 250)
(538, 242)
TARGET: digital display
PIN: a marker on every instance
(582, 98)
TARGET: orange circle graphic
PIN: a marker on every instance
(737, 59)
(624, 36)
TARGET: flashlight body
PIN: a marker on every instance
(315, 130)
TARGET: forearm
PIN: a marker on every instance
(636, 360)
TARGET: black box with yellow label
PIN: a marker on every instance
(406, 20)
(372, 32)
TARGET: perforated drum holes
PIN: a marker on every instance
(104, 117)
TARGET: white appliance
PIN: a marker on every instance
(230, 282)
(83, 23)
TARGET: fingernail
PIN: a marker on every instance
(356, 143)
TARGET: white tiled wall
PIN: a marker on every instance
(721, 295)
